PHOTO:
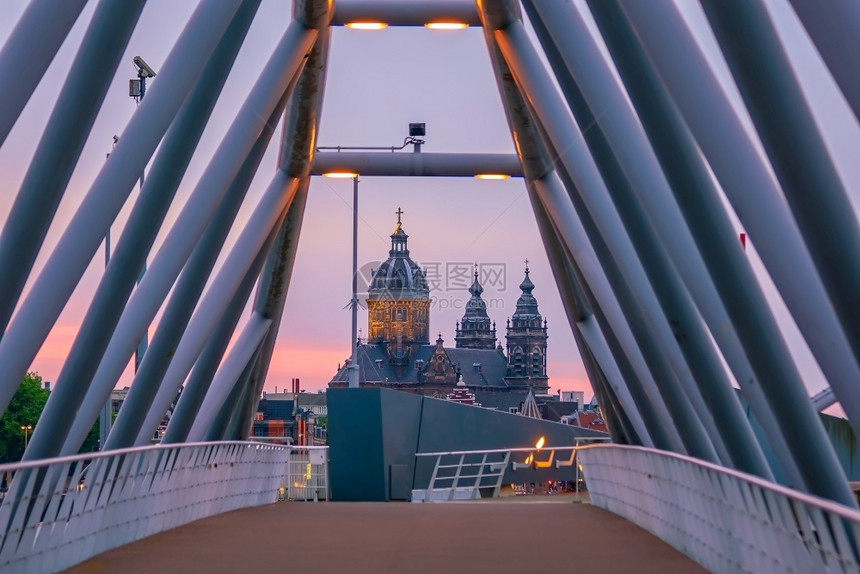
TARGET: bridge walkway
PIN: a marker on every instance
(539, 535)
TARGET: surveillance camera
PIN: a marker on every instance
(143, 69)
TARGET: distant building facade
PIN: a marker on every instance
(398, 353)
(298, 418)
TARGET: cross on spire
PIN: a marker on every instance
(399, 212)
(476, 269)
(527, 265)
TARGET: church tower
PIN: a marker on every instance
(474, 331)
(398, 303)
(526, 339)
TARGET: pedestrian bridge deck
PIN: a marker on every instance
(540, 534)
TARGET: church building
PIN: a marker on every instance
(398, 353)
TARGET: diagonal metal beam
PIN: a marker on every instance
(298, 142)
(713, 121)
(251, 120)
(247, 345)
(108, 193)
(533, 156)
(183, 299)
(675, 381)
(676, 151)
(207, 364)
(137, 238)
(137, 416)
(226, 424)
(578, 310)
(28, 52)
(748, 184)
(64, 137)
(796, 150)
(833, 28)
(650, 214)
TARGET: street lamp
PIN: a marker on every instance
(416, 132)
(26, 429)
(137, 90)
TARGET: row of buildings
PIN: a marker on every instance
(478, 370)
(399, 354)
(302, 418)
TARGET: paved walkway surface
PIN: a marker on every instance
(541, 536)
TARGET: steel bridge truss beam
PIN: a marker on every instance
(638, 239)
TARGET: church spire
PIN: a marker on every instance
(476, 330)
(526, 341)
(527, 286)
(398, 239)
(476, 288)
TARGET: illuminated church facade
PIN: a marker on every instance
(399, 354)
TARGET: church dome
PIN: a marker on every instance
(399, 276)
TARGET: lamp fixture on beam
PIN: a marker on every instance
(367, 25)
(446, 25)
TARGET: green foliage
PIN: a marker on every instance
(91, 443)
(24, 409)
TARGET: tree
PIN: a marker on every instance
(91, 443)
(24, 409)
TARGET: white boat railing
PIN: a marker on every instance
(61, 511)
(727, 521)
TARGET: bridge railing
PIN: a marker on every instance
(726, 520)
(307, 475)
(474, 474)
(61, 511)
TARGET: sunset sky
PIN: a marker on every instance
(377, 83)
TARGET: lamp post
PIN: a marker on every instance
(137, 90)
(416, 132)
(26, 429)
(353, 361)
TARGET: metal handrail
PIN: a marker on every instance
(517, 449)
(61, 511)
(726, 520)
(496, 468)
(823, 503)
(91, 456)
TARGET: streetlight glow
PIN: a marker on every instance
(340, 175)
(26, 429)
(367, 25)
(446, 25)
